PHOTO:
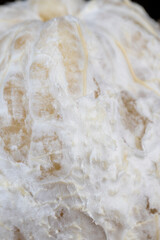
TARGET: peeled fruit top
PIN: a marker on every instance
(79, 121)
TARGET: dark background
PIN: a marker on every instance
(151, 6)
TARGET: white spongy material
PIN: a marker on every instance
(79, 121)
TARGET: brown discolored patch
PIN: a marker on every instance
(16, 132)
(150, 210)
(39, 71)
(20, 42)
(18, 235)
(56, 166)
(149, 237)
(72, 54)
(50, 171)
(98, 91)
(16, 139)
(13, 94)
(43, 105)
(49, 143)
(133, 119)
(61, 213)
